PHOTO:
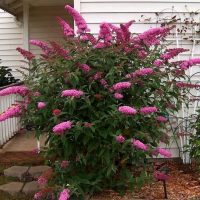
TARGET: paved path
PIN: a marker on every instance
(26, 179)
(22, 142)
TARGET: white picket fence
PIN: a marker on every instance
(9, 127)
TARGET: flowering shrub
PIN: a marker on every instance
(104, 103)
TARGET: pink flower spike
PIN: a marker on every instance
(87, 124)
(27, 54)
(118, 96)
(100, 45)
(120, 139)
(67, 30)
(148, 110)
(121, 85)
(64, 164)
(41, 105)
(36, 94)
(13, 111)
(38, 196)
(79, 20)
(139, 145)
(85, 68)
(21, 90)
(43, 45)
(164, 152)
(59, 129)
(158, 63)
(64, 195)
(127, 110)
(72, 93)
(105, 33)
(160, 176)
(42, 181)
(161, 119)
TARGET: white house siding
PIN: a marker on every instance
(11, 36)
(43, 25)
(146, 13)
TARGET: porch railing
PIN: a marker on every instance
(9, 127)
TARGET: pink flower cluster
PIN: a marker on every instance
(27, 54)
(162, 151)
(85, 68)
(97, 76)
(38, 195)
(67, 30)
(161, 119)
(171, 53)
(148, 110)
(64, 195)
(72, 93)
(119, 33)
(13, 111)
(151, 36)
(43, 45)
(64, 164)
(118, 95)
(160, 176)
(89, 37)
(60, 51)
(87, 124)
(120, 138)
(186, 85)
(140, 72)
(80, 22)
(104, 83)
(42, 181)
(127, 110)
(121, 85)
(41, 105)
(188, 63)
(105, 33)
(158, 63)
(139, 145)
(122, 32)
(100, 45)
(59, 129)
(21, 90)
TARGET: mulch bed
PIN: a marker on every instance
(184, 182)
(20, 158)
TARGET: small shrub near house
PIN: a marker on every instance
(104, 102)
(6, 77)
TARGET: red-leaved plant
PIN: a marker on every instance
(103, 102)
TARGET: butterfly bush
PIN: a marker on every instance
(103, 101)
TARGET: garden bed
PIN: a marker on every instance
(184, 182)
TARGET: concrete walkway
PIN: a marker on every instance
(26, 179)
(22, 142)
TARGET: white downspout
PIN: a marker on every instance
(26, 25)
(77, 6)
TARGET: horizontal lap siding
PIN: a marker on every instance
(43, 24)
(11, 37)
(145, 15)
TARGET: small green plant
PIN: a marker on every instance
(194, 143)
(6, 77)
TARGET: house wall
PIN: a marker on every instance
(147, 14)
(11, 36)
(43, 24)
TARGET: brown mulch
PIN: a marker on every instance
(184, 184)
(20, 158)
